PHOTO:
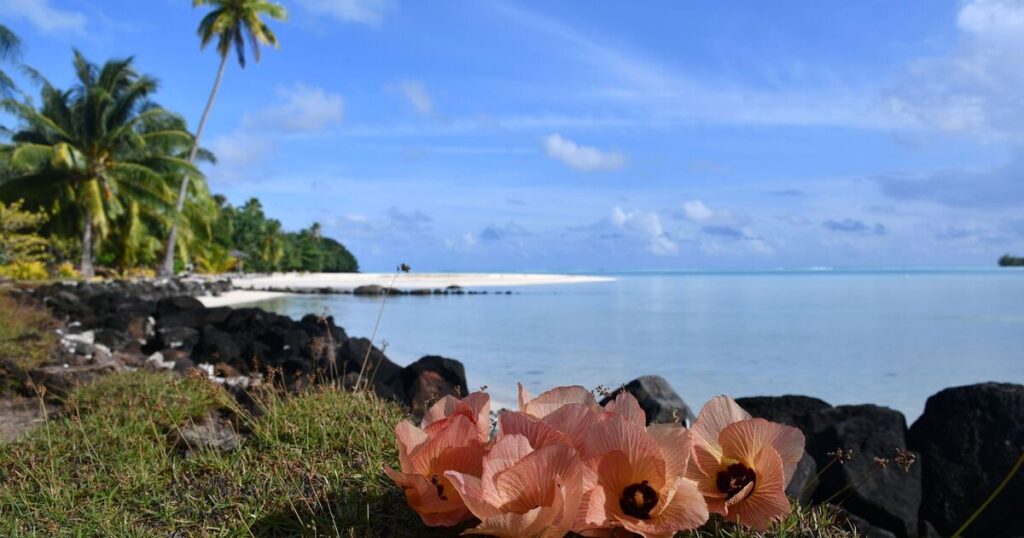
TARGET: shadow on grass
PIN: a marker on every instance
(381, 516)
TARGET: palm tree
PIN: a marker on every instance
(231, 23)
(9, 49)
(96, 153)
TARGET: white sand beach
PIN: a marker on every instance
(406, 281)
(237, 297)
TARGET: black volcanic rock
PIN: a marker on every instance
(430, 378)
(791, 410)
(888, 498)
(969, 438)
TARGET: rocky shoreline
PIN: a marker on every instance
(890, 479)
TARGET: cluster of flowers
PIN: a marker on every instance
(564, 463)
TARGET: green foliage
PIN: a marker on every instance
(1011, 261)
(262, 245)
(18, 241)
(99, 157)
(231, 21)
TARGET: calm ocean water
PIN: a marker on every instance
(887, 337)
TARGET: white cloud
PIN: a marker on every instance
(648, 226)
(369, 12)
(416, 93)
(584, 158)
(44, 16)
(697, 212)
(976, 87)
(306, 109)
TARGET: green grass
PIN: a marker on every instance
(111, 466)
(311, 464)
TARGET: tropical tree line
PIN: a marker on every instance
(113, 176)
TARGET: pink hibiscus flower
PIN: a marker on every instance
(742, 465)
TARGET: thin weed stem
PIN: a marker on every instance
(373, 335)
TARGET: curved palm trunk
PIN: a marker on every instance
(168, 267)
(86, 269)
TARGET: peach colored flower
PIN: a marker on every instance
(523, 492)
(476, 407)
(743, 464)
(554, 399)
(640, 479)
(453, 445)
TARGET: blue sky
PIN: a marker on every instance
(501, 135)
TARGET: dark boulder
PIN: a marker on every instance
(796, 411)
(430, 378)
(216, 346)
(969, 438)
(886, 496)
(657, 399)
(371, 289)
(378, 367)
(216, 316)
(174, 305)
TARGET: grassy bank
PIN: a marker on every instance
(114, 465)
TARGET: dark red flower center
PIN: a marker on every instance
(638, 500)
(734, 478)
(436, 481)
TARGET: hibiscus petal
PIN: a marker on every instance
(422, 497)
(409, 438)
(745, 439)
(460, 432)
(674, 442)
(539, 433)
(627, 407)
(686, 510)
(553, 399)
(504, 453)
(535, 479)
(443, 408)
(718, 413)
(471, 490)
(644, 457)
(574, 420)
(478, 406)
(768, 502)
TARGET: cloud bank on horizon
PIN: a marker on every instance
(507, 135)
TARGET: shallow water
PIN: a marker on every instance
(891, 338)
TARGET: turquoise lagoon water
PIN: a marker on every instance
(887, 337)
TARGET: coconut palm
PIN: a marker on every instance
(231, 23)
(95, 153)
(9, 49)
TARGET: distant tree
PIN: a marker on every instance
(96, 153)
(1011, 261)
(231, 23)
